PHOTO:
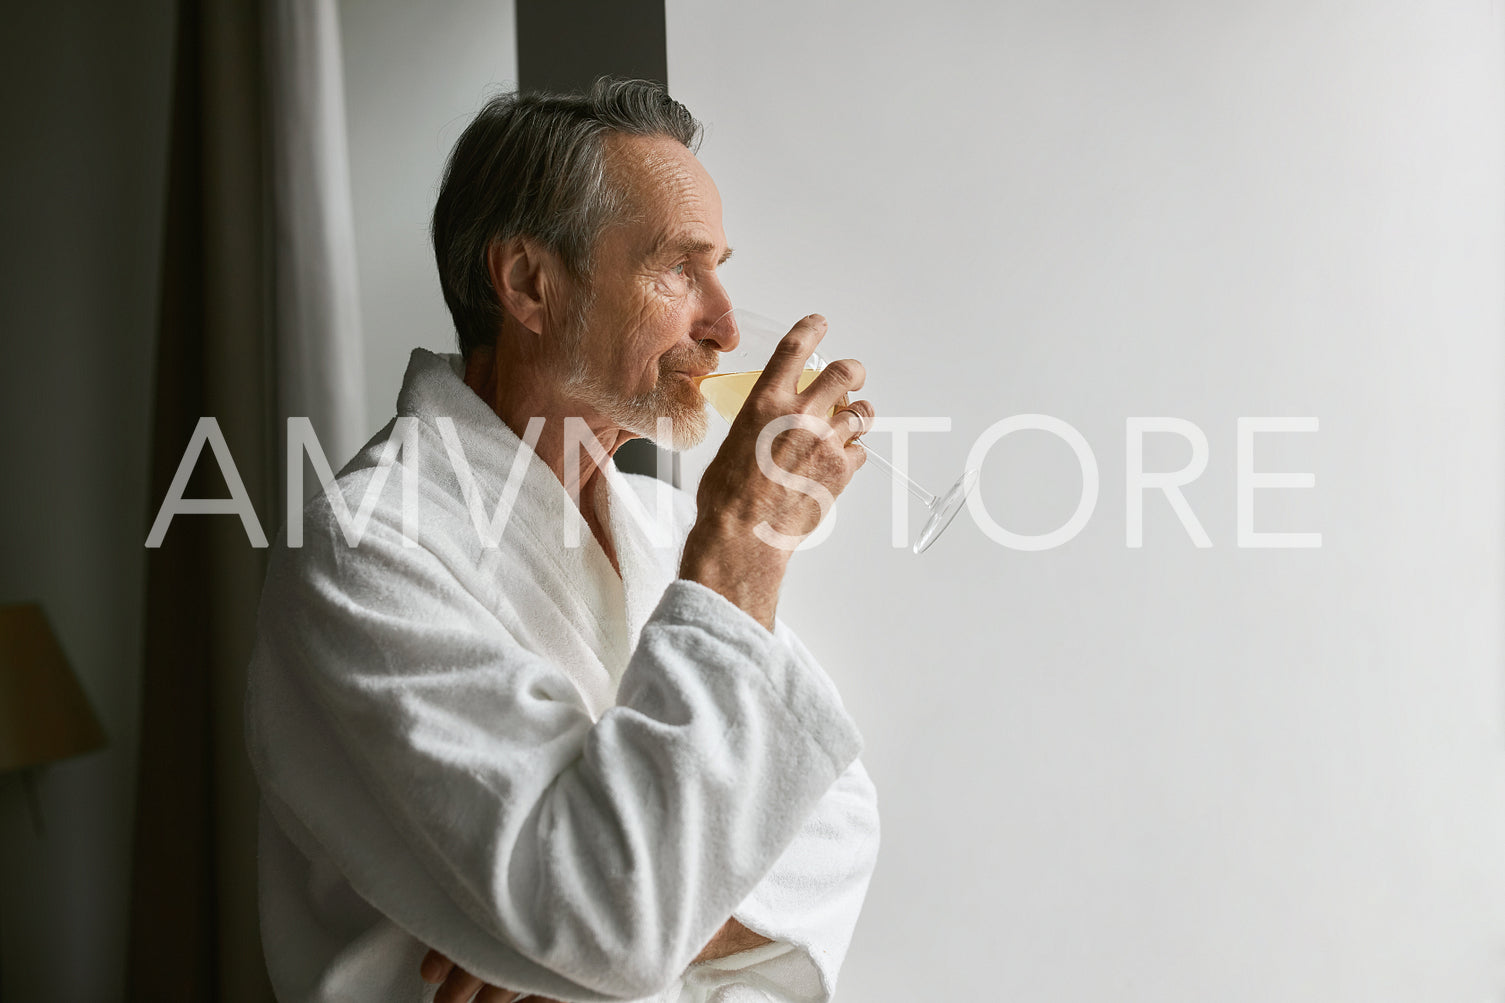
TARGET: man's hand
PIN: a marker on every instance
(461, 987)
(732, 938)
(726, 549)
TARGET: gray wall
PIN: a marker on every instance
(1164, 774)
(415, 74)
(81, 185)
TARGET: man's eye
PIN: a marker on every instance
(678, 269)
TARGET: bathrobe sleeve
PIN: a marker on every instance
(808, 903)
(460, 786)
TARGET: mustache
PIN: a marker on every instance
(702, 356)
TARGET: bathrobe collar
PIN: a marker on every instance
(545, 533)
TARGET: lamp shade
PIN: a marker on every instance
(44, 715)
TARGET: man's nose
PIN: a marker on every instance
(722, 330)
(721, 333)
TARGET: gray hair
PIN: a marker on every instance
(534, 165)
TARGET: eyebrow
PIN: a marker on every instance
(687, 246)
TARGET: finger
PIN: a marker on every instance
(856, 456)
(833, 383)
(435, 967)
(852, 420)
(496, 994)
(458, 988)
(791, 355)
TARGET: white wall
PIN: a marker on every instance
(1167, 774)
(82, 183)
(415, 74)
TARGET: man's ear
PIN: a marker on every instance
(525, 279)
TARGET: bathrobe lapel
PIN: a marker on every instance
(549, 582)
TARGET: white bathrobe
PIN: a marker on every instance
(565, 780)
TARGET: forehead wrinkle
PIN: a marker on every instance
(643, 168)
(664, 185)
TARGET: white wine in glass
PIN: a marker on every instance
(727, 392)
(727, 389)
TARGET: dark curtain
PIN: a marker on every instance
(193, 912)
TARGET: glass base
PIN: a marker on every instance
(945, 510)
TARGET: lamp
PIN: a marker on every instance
(44, 715)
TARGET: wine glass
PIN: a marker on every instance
(727, 389)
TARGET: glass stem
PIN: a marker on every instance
(925, 497)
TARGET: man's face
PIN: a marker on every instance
(651, 323)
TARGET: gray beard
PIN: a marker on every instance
(640, 414)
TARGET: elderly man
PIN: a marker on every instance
(537, 761)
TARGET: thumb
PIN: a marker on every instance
(435, 967)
